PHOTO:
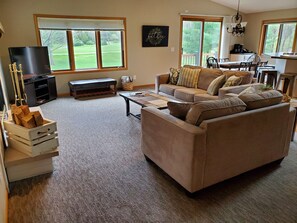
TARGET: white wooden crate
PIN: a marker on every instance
(34, 150)
(34, 141)
(48, 127)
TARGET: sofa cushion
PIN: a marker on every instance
(206, 76)
(169, 88)
(233, 81)
(174, 74)
(187, 94)
(247, 76)
(249, 90)
(188, 77)
(216, 84)
(179, 109)
(212, 109)
(264, 99)
(193, 66)
(205, 97)
(229, 95)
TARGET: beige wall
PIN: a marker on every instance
(17, 19)
(253, 29)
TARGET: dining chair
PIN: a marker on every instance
(245, 66)
(254, 58)
(212, 62)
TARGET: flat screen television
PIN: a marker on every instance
(34, 60)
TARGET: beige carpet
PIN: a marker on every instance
(102, 176)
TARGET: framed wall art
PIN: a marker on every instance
(155, 36)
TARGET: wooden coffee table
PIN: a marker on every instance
(145, 99)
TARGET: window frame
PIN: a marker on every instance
(264, 28)
(202, 19)
(98, 44)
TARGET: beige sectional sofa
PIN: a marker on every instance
(216, 149)
(206, 76)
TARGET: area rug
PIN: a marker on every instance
(101, 176)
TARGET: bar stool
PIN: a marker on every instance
(289, 82)
(270, 75)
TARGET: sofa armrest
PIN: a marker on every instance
(161, 79)
(175, 146)
(237, 89)
(291, 130)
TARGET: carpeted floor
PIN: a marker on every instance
(101, 176)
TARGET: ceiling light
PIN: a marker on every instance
(237, 28)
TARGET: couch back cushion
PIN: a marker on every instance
(193, 67)
(233, 81)
(247, 76)
(206, 76)
(174, 74)
(179, 109)
(264, 99)
(212, 109)
(217, 83)
(188, 77)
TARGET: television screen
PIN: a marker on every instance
(34, 59)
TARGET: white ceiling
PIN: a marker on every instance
(252, 6)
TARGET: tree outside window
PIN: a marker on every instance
(84, 43)
(57, 44)
(279, 37)
(194, 50)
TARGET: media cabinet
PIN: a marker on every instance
(40, 90)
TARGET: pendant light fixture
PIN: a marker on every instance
(237, 27)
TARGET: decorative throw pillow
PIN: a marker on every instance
(174, 74)
(233, 81)
(188, 77)
(216, 84)
(212, 109)
(249, 90)
(179, 109)
(247, 76)
(264, 99)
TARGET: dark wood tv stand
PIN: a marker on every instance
(40, 90)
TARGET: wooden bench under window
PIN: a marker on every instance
(92, 87)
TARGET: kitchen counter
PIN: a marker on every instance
(285, 64)
(282, 56)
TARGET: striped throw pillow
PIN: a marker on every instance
(188, 77)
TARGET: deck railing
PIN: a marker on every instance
(190, 59)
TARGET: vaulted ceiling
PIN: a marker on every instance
(252, 6)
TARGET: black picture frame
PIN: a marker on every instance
(155, 36)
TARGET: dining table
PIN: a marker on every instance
(232, 65)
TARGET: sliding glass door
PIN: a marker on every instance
(191, 42)
(200, 39)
